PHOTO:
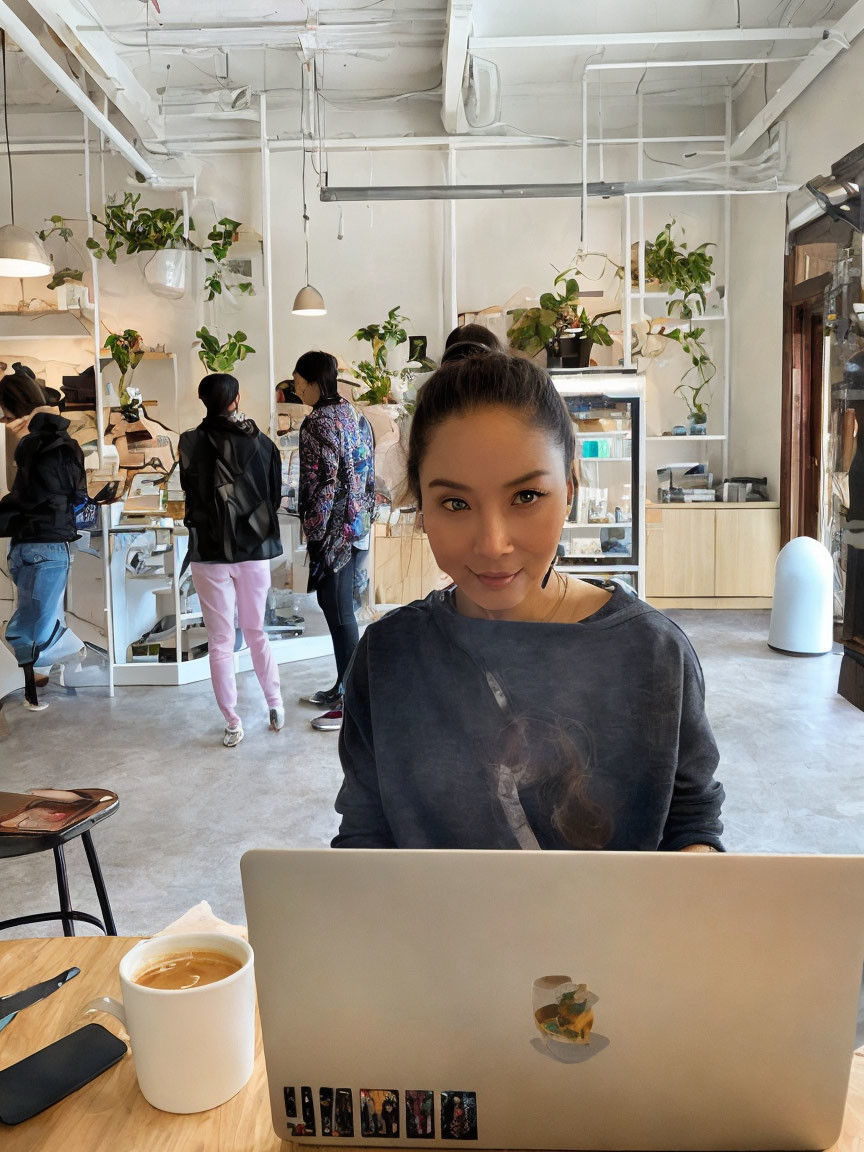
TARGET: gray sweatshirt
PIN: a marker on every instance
(464, 733)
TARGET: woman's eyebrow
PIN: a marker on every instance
(441, 483)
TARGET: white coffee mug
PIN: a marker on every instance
(194, 1048)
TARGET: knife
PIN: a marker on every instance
(18, 1001)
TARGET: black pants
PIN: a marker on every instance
(335, 594)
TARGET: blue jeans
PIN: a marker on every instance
(40, 572)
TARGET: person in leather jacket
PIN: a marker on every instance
(38, 514)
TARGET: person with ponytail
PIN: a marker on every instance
(231, 475)
(522, 707)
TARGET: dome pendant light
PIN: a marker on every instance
(308, 301)
(21, 253)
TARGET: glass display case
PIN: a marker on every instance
(605, 529)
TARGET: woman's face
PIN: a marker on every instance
(308, 391)
(494, 500)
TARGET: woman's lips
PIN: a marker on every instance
(496, 579)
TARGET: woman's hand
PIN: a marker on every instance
(698, 848)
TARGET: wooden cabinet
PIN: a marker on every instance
(680, 555)
(746, 543)
(404, 567)
(712, 556)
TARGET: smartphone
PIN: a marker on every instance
(40, 1080)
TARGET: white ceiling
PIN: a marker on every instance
(375, 66)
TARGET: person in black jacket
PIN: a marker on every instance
(232, 477)
(39, 516)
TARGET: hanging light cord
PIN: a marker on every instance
(303, 146)
(6, 124)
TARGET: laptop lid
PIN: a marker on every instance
(557, 1000)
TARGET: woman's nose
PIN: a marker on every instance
(493, 539)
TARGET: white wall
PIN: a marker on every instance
(757, 251)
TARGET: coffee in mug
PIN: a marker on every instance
(189, 969)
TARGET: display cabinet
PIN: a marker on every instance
(605, 530)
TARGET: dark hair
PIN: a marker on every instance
(476, 334)
(20, 393)
(285, 393)
(217, 392)
(491, 380)
(319, 368)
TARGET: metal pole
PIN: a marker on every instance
(583, 207)
(451, 304)
(268, 258)
(727, 272)
(628, 289)
(105, 513)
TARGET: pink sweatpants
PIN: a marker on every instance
(220, 587)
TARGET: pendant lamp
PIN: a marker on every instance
(308, 301)
(21, 253)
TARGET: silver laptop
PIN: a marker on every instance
(557, 1000)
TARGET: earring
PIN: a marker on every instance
(420, 521)
(545, 579)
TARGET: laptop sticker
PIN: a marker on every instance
(420, 1115)
(325, 1100)
(379, 1112)
(308, 1109)
(344, 1112)
(290, 1103)
(564, 1017)
(458, 1115)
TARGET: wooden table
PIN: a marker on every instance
(111, 1115)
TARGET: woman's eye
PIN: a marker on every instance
(529, 496)
(454, 504)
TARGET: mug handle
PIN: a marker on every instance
(110, 1005)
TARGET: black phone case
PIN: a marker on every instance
(40, 1080)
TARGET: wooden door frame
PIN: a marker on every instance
(801, 413)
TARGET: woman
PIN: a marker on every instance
(231, 475)
(337, 499)
(524, 708)
(472, 338)
(39, 514)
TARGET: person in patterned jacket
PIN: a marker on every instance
(337, 500)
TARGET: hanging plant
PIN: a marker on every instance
(219, 357)
(66, 276)
(139, 229)
(691, 342)
(221, 237)
(126, 352)
(680, 269)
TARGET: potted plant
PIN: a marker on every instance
(383, 384)
(142, 229)
(126, 352)
(66, 281)
(221, 237)
(560, 325)
(677, 268)
(221, 357)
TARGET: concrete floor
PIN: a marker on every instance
(791, 756)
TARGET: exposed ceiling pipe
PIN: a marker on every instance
(839, 39)
(18, 31)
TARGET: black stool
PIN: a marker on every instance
(76, 813)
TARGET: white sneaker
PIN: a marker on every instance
(232, 736)
(277, 718)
